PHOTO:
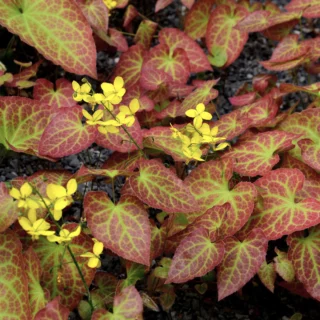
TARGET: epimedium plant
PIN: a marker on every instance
(222, 189)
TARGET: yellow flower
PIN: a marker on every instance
(106, 129)
(114, 92)
(210, 135)
(199, 114)
(99, 98)
(192, 152)
(35, 227)
(23, 197)
(80, 91)
(60, 197)
(119, 121)
(110, 4)
(92, 120)
(130, 111)
(222, 146)
(94, 259)
(64, 235)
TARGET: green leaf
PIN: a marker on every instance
(14, 299)
(56, 28)
(106, 286)
(123, 227)
(218, 57)
(267, 275)
(283, 266)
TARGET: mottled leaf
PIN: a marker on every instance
(304, 253)
(58, 95)
(53, 310)
(195, 256)
(221, 31)
(283, 266)
(160, 188)
(281, 214)
(66, 135)
(68, 37)
(145, 32)
(14, 299)
(161, 4)
(8, 208)
(175, 38)
(267, 275)
(241, 262)
(123, 227)
(106, 286)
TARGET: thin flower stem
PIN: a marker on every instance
(69, 249)
(126, 131)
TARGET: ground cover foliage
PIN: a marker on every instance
(208, 202)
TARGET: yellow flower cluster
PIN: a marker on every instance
(110, 4)
(194, 136)
(112, 95)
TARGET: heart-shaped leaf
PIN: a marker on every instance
(8, 208)
(195, 256)
(123, 227)
(283, 266)
(241, 262)
(56, 28)
(160, 188)
(53, 310)
(267, 275)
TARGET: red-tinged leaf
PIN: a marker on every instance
(58, 95)
(281, 66)
(66, 135)
(158, 238)
(300, 5)
(255, 21)
(283, 266)
(280, 214)
(243, 99)
(232, 124)
(195, 256)
(311, 152)
(250, 7)
(306, 124)
(272, 7)
(174, 63)
(267, 275)
(161, 4)
(123, 227)
(160, 138)
(37, 295)
(288, 49)
(311, 186)
(160, 188)
(96, 12)
(151, 80)
(122, 4)
(261, 82)
(312, 12)
(241, 262)
(188, 3)
(117, 39)
(258, 154)
(14, 299)
(127, 305)
(122, 161)
(261, 112)
(178, 90)
(129, 15)
(289, 88)
(53, 310)
(279, 31)
(120, 141)
(195, 23)
(75, 52)
(209, 184)
(173, 110)
(175, 38)
(222, 34)
(158, 95)
(8, 208)
(106, 284)
(19, 79)
(130, 64)
(22, 122)
(60, 274)
(304, 253)
(145, 32)
(202, 94)
(283, 17)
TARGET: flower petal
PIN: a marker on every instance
(75, 86)
(134, 105)
(87, 255)
(107, 88)
(55, 191)
(75, 233)
(41, 225)
(206, 115)
(98, 248)
(93, 262)
(86, 114)
(197, 122)
(191, 113)
(200, 107)
(25, 224)
(72, 186)
(25, 190)
(15, 193)
(61, 203)
(118, 83)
